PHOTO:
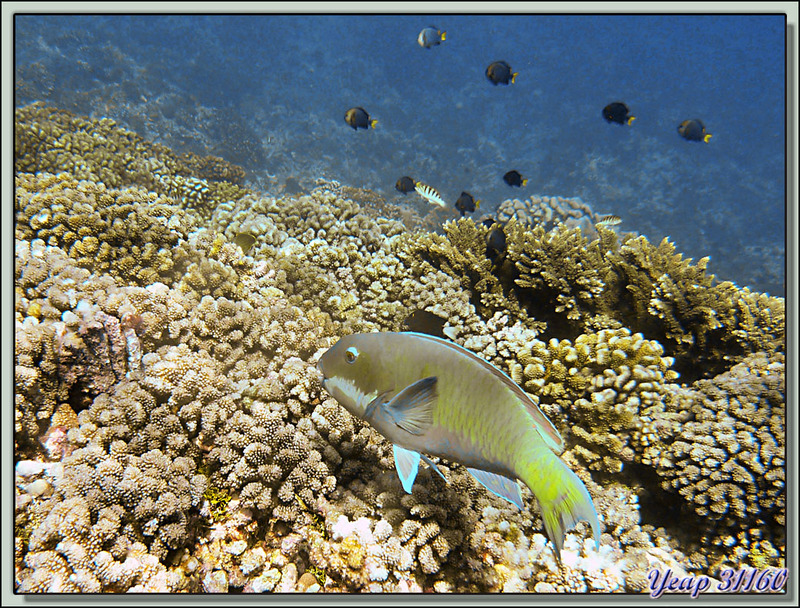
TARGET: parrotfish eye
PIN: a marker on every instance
(351, 354)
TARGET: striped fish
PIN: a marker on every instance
(429, 194)
(431, 396)
(609, 220)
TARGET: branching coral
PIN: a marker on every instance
(126, 233)
(697, 319)
(727, 457)
(548, 211)
(51, 140)
(600, 385)
(559, 269)
(175, 434)
(461, 253)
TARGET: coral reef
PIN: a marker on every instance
(52, 140)
(563, 284)
(171, 432)
(548, 211)
(726, 458)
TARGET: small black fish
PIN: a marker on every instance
(488, 222)
(405, 184)
(431, 36)
(499, 72)
(693, 130)
(358, 118)
(424, 322)
(495, 243)
(618, 112)
(514, 178)
(466, 204)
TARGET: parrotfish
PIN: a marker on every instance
(431, 396)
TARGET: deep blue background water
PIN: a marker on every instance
(270, 92)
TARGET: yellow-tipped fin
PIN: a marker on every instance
(477, 204)
(707, 137)
(631, 119)
(514, 76)
(572, 505)
(444, 36)
(524, 181)
(373, 122)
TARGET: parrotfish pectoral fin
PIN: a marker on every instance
(572, 505)
(412, 408)
(370, 407)
(432, 465)
(497, 484)
(407, 464)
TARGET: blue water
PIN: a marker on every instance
(270, 92)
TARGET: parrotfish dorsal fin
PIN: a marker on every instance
(412, 408)
(407, 464)
(497, 484)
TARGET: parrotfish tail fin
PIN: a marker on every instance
(373, 122)
(573, 504)
(514, 76)
(707, 137)
(631, 119)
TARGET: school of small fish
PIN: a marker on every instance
(500, 72)
(429, 396)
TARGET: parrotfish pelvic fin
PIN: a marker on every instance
(407, 464)
(501, 486)
(432, 465)
(412, 408)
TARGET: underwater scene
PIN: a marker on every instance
(400, 303)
